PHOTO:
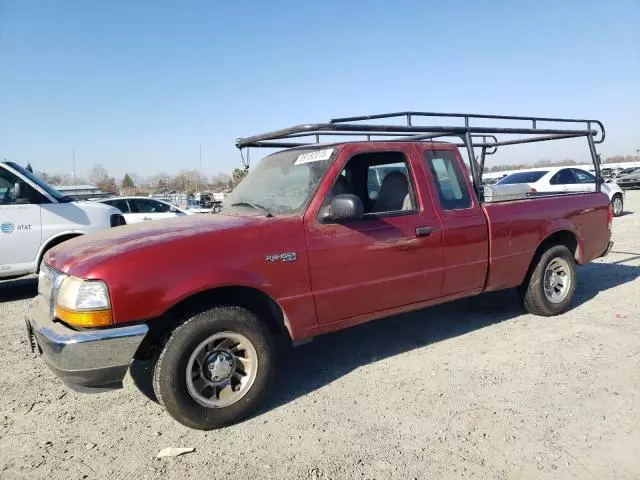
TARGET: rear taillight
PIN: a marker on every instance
(610, 217)
(533, 190)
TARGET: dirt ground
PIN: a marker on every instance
(473, 389)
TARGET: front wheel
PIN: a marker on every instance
(550, 287)
(617, 205)
(215, 368)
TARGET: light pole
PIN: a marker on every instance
(73, 159)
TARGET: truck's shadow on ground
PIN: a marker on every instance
(306, 368)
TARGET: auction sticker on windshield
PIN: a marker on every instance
(314, 156)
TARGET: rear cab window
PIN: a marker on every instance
(453, 192)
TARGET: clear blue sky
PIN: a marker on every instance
(136, 85)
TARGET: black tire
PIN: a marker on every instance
(532, 291)
(617, 210)
(169, 376)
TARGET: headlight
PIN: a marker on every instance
(84, 303)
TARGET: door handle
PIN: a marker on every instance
(424, 231)
(147, 218)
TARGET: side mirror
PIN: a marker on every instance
(346, 207)
(173, 210)
(17, 190)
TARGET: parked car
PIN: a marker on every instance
(631, 179)
(144, 209)
(608, 172)
(567, 179)
(35, 217)
(626, 171)
(306, 244)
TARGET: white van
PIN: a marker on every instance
(35, 217)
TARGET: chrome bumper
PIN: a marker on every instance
(86, 360)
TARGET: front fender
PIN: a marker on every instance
(152, 294)
(201, 283)
(55, 240)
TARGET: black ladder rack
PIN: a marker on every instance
(471, 136)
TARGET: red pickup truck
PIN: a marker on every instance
(317, 238)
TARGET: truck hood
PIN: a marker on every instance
(79, 255)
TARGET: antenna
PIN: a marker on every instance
(200, 157)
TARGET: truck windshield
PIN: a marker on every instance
(43, 185)
(523, 177)
(282, 183)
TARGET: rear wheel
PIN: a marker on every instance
(215, 368)
(617, 205)
(550, 287)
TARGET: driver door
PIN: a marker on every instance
(20, 225)
(390, 258)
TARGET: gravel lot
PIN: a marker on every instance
(475, 388)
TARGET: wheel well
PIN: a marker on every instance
(563, 237)
(52, 243)
(256, 301)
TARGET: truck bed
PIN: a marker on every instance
(518, 228)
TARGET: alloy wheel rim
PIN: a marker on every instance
(557, 280)
(617, 206)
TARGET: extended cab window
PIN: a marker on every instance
(450, 183)
(9, 195)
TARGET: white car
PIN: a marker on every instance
(35, 217)
(144, 209)
(566, 179)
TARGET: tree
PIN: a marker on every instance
(220, 182)
(28, 168)
(127, 182)
(161, 185)
(56, 179)
(99, 177)
(239, 174)
(44, 176)
(98, 174)
(108, 185)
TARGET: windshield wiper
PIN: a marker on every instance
(257, 206)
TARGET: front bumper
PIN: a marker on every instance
(86, 360)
